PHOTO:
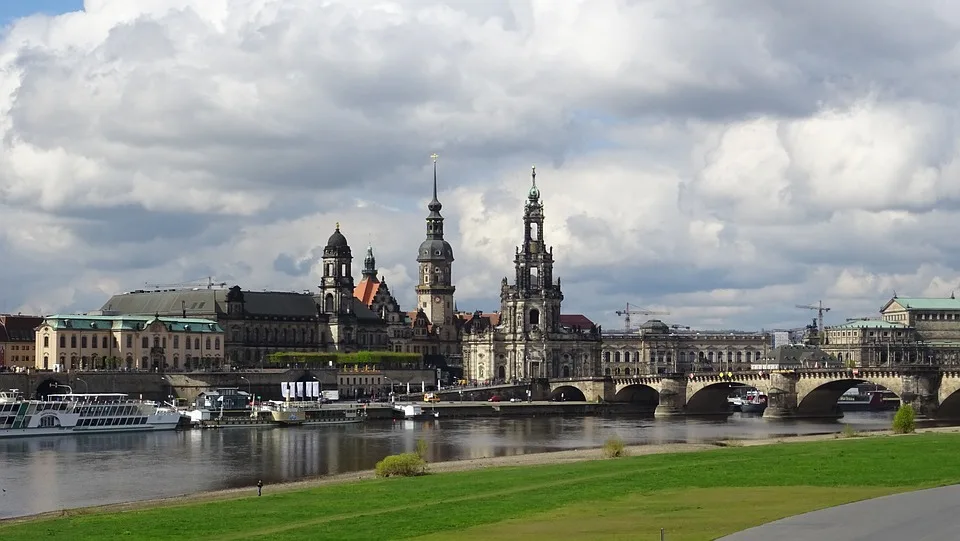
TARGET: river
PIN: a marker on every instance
(48, 474)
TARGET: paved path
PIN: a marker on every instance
(925, 515)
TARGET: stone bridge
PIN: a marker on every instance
(793, 394)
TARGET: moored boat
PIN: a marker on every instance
(309, 413)
(754, 403)
(415, 412)
(75, 413)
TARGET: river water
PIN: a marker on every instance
(48, 474)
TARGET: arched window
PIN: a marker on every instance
(534, 317)
(606, 357)
(216, 343)
(328, 303)
(616, 359)
(626, 371)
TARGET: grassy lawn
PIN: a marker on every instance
(698, 496)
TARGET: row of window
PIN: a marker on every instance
(158, 342)
(702, 356)
(294, 335)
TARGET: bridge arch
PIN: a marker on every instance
(711, 399)
(638, 393)
(820, 400)
(48, 387)
(949, 408)
(568, 393)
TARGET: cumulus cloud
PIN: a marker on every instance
(719, 162)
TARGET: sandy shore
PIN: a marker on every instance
(556, 457)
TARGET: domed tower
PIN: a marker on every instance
(336, 286)
(435, 257)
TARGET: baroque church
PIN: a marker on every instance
(530, 337)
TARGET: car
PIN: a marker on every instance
(515, 399)
(494, 398)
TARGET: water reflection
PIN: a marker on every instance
(47, 474)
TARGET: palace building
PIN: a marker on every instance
(658, 348)
(529, 337)
(909, 330)
(82, 342)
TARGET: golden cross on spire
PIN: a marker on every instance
(434, 156)
(338, 225)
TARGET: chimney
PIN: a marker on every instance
(183, 308)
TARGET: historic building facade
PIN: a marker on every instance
(529, 338)
(17, 341)
(84, 342)
(258, 323)
(909, 331)
(657, 348)
(374, 293)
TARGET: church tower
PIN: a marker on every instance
(370, 265)
(336, 285)
(536, 303)
(435, 257)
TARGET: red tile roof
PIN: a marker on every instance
(366, 290)
(575, 320)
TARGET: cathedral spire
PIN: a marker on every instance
(534, 195)
(370, 264)
(435, 204)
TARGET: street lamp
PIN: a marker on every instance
(248, 385)
(86, 388)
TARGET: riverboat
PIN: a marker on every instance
(309, 413)
(754, 403)
(414, 412)
(868, 401)
(86, 413)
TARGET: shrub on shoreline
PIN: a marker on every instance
(904, 422)
(614, 448)
(402, 465)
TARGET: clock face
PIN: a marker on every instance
(436, 299)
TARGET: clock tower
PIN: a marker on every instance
(435, 258)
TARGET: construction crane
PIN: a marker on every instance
(628, 312)
(821, 309)
(209, 284)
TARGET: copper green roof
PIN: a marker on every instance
(919, 303)
(870, 324)
(133, 323)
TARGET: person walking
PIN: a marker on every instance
(260, 487)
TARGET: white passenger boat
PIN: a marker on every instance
(72, 413)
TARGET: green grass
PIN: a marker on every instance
(693, 495)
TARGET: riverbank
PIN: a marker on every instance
(695, 495)
(526, 460)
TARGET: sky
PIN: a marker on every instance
(719, 161)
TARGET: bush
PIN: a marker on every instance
(904, 422)
(614, 448)
(849, 432)
(402, 465)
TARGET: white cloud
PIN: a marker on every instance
(723, 163)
